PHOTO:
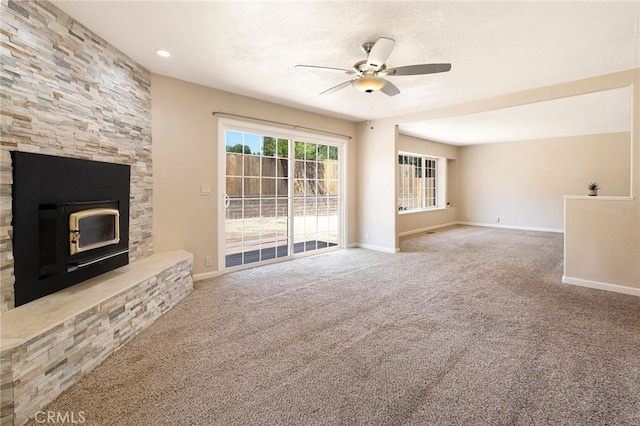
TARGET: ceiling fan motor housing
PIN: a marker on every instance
(362, 68)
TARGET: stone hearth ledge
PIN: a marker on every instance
(48, 344)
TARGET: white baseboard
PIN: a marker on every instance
(429, 228)
(378, 248)
(520, 228)
(205, 276)
(601, 286)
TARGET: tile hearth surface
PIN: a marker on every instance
(35, 318)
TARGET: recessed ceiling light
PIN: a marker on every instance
(163, 53)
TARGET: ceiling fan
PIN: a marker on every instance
(370, 72)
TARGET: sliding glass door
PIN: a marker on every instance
(316, 202)
(282, 196)
(257, 198)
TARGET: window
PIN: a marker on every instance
(418, 182)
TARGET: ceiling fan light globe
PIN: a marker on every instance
(369, 84)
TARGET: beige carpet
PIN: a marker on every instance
(467, 326)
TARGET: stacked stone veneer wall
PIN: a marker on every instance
(7, 278)
(35, 372)
(67, 92)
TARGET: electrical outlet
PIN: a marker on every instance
(498, 219)
(207, 261)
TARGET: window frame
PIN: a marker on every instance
(438, 186)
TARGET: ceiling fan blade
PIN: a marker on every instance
(390, 89)
(326, 68)
(336, 88)
(380, 52)
(418, 69)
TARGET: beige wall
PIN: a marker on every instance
(407, 223)
(376, 193)
(602, 237)
(185, 141)
(601, 242)
(185, 138)
(596, 230)
(523, 182)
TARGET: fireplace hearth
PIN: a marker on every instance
(70, 222)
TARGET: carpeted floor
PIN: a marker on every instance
(467, 326)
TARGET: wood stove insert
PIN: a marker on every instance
(70, 222)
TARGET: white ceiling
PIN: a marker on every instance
(251, 48)
(603, 112)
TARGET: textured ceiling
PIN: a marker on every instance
(251, 48)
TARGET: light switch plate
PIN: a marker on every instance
(205, 189)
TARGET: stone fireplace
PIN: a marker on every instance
(68, 93)
(70, 97)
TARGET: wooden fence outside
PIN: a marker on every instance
(410, 194)
(263, 184)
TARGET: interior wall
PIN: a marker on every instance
(185, 136)
(66, 92)
(523, 183)
(376, 185)
(602, 244)
(602, 237)
(588, 243)
(407, 223)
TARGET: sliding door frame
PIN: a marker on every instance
(292, 135)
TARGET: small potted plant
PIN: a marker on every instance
(593, 188)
